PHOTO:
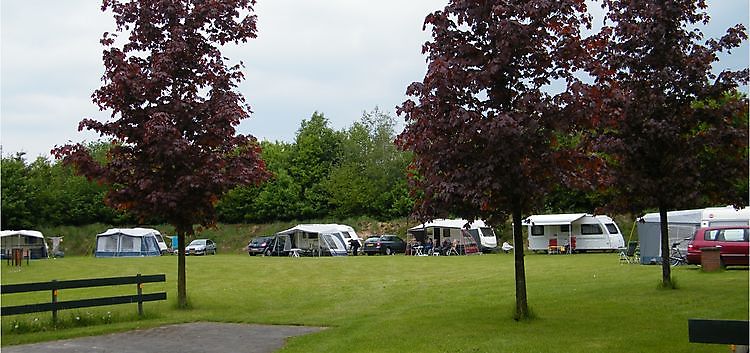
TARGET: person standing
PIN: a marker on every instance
(354, 243)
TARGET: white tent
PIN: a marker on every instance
(314, 239)
(127, 242)
(28, 240)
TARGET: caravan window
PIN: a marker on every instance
(564, 228)
(487, 232)
(537, 230)
(612, 228)
(591, 229)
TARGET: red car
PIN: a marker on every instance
(733, 241)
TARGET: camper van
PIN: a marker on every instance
(573, 232)
(450, 230)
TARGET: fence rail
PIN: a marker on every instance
(54, 286)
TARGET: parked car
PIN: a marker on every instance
(258, 245)
(201, 247)
(733, 241)
(384, 244)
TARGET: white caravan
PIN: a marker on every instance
(576, 232)
(440, 230)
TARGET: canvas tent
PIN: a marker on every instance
(313, 239)
(27, 240)
(127, 242)
(681, 225)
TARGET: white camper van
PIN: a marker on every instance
(573, 232)
(440, 230)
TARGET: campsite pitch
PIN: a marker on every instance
(205, 337)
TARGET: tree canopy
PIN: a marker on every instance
(174, 108)
(483, 129)
(675, 134)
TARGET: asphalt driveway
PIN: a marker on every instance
(203, 337)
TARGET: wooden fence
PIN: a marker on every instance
(55, 286)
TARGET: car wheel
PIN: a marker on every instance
(388, 251)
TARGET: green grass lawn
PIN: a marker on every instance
(583, 303)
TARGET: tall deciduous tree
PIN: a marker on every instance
(483, 130)
(174, 109)
(674, 135)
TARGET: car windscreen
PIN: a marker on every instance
(198, 242)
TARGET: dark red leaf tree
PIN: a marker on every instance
(676, 134)
(483, 131)
(174, 111)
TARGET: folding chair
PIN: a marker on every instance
(631, 253)
(552, 248)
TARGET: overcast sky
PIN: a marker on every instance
(337, 57)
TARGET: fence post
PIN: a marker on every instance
(54, 301)
(140, 295)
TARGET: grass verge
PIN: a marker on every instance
(582, 303)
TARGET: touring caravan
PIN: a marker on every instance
(30, 241)
(573, 232)
(313, 240)
(440, 230)
(725, 216)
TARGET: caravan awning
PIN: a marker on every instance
(682, 216)
(311, 228)
(450, 223)
(28, 233)
(553, 219)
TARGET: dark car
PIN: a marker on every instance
(384, 244)
(732, 240)
(258, 245)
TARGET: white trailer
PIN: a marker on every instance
(441, 230)
(573, 232)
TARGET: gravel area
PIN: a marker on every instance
(203, 337)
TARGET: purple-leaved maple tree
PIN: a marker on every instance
(675, 134)
(484, 133)
(174, 109)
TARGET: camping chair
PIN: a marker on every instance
(552, 248)
(631, 253)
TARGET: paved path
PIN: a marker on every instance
(198, 337)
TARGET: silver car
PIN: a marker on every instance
(201, 247)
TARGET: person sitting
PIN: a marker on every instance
(445, 247)
(428, 246)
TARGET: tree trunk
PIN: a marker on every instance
(182, 302)
(666, 270)
(522, 308)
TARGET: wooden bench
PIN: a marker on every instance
(55, 286)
